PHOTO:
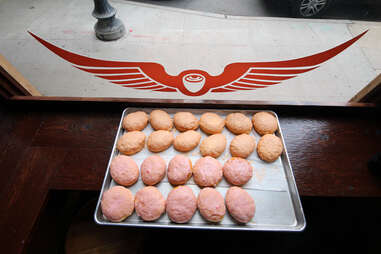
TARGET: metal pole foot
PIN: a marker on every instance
(108, 28)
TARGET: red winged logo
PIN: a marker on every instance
(236, 76)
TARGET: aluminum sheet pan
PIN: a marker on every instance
(278, 206)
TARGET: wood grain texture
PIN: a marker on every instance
(90, 130)
(18, 132)
(332, 153)
(16, 78)
(82, 169)
(26, 196)
(7, 88)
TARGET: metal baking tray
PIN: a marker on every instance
(278, 206)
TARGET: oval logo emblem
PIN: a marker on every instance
(193, 82)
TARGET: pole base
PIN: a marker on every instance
(109, 29)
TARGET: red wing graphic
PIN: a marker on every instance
(236, 76)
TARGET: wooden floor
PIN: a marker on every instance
(48, 146)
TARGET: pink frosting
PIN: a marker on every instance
(153, 170)
(238, 171)
(207, 172)
(124, 170)
(117, 203)
(240, 204)
(179, 170)
(181, 204)
(211, 204)
(149, 203)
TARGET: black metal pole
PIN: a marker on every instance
(107, 28)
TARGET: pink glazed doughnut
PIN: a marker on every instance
(237, 171)
(149, 203)
(211, 204)
(179, 170)
(240, 204)
(124, 170)
(153, 170)
(117, 203)
(181, 204)
(207, 172)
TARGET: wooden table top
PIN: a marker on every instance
(66, 146)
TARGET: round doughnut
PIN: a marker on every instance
(238, 123)
(187, 141)
(185, 121)
(179, 170)
(153, 170)
(124, 170)
(135, 121)
(240, 204)
(160, 120)
(159, 141)
(213, 145)
(211, 204)
(131, 142)
(211, 123)
(181, 204)
(149, 203)
(269, 147)
(117, 203)
(264, 123)
(242, 146)
(207, 172)
(237, 171)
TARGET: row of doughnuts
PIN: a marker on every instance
(207, 171)
(269, 146)
(210, 123)
(118, 203)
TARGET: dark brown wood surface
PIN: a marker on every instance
(66, 146)
(195, 103)
(370, 93)
(13, 83)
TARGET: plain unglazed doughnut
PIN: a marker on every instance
(179, 170)
(149, 203)
(269, 147)
(135, 121)
(187, 141)
(117, 203)
(185, 121)
(264, 123)
(242, 145)
(131, 142)
(240, 204)
(213, 145)
(238, 123)
(211, 123)
(181, 204)
(160, 120)
(207, 172)
(159, 141)
(124, 170)
(211, 204)
(237, 171)
(153, 170)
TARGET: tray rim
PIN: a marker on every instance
(294, 194)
